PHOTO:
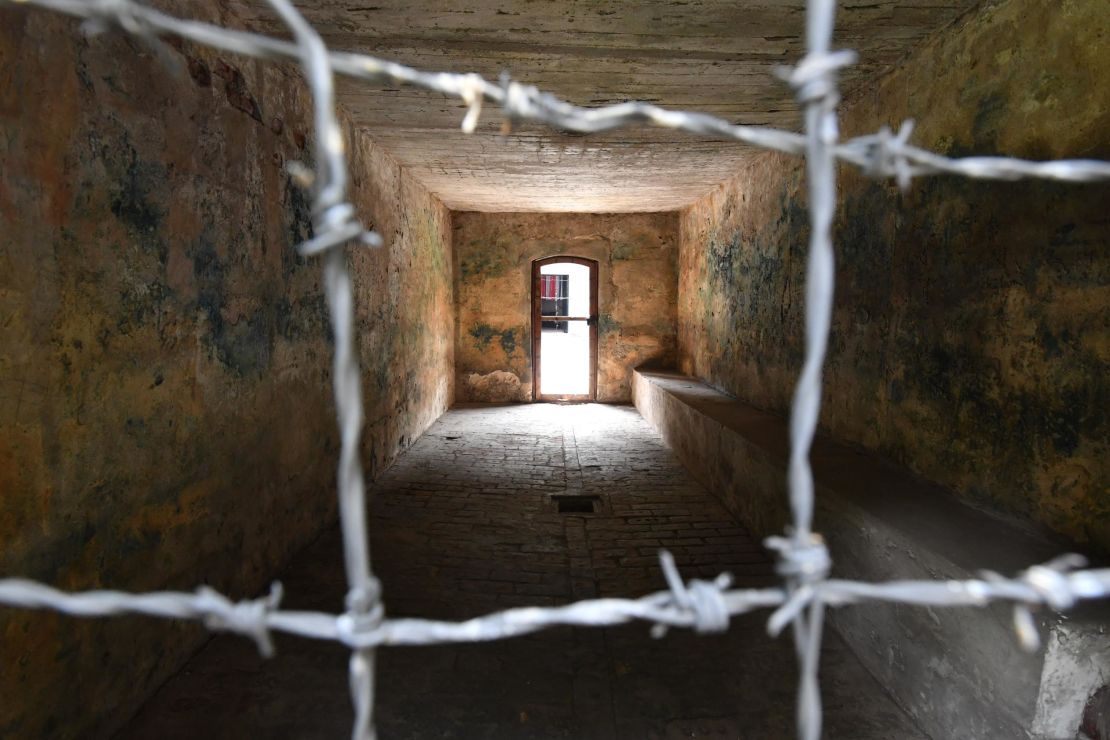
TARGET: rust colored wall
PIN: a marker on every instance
(493, 272)
(970, 337)
(165, 407)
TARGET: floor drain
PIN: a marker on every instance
(576, 504)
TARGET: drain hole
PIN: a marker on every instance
(576, 504)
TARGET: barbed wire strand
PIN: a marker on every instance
(1056, 585)
(334, 226)
(803, 559)
(879, 155)
(704, 606)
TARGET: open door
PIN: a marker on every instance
(564, 329)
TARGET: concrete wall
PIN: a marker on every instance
(165, 408)
(493, 277)
(971, 338)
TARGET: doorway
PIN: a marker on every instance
(564, 329)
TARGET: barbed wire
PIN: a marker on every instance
(702, 606)
(880, 155)
(705, 606)
(334, 226)
(803, 559)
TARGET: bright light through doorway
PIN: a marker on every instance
(565, 345)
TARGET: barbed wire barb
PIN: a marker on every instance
(660, 609)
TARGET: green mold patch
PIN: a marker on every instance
(606, 323)
(133, 202)
(484, 264)
(245, 345)
(623, 251)
(483, 334)
(508, 339)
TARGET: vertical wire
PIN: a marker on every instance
(819, 96)
(821, 135)
(330, 212)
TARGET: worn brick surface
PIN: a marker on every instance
(464, 524)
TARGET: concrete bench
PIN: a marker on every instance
(960, 671)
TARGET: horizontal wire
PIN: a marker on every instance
(1043, 585)
(878, 155)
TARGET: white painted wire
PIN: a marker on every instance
(877, 154)
(704, 606)
(1056, 585)
(334, 226)
(815, 84)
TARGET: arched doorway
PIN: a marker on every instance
(564, 329)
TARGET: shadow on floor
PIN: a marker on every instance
(463, 524)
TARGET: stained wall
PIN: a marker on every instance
(166, 417)
(971, 337)
(637, 285)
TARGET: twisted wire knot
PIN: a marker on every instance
(804, 561)
(702, 600)
(335, 222)
(245, 617)
(885, 154)
(338, 226)
(471, 90)
(106, 13)
(359, 625)
(517, 101)
(1051, 581)
(365, 597)
(360, 631)
(814, 77)
(513, 100)
(1052, 586)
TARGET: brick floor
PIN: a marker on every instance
(464, 524)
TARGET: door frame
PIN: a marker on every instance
(537, 328)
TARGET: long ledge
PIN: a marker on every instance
(958, 672)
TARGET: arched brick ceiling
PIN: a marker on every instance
(714, 56)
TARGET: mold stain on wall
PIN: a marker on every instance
(637, 256)
(970, 334)
(159, 338)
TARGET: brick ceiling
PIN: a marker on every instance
(714, 56)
